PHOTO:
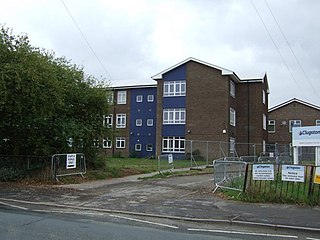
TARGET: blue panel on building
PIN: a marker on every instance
(174, 102)
(143, 110)
(173, 130)
(178, 73)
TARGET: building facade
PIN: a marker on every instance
(132, 122)
(198, 101)
(286, 115)
(192, 101)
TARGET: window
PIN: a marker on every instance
(96, 143)
(150, 98)
(121, 120)
(120, 142)
(139, 122)
(264, 122)
(174, 88)
(149, 148)
(271, 126)
(108, 121)
(149, 122)
(110, 97)
(294, 123)
(137, 147)
(122, 97)
(232, 117)
(263, 97)
(317, 122)
(173, 144)
(107, 143)
(139, 98)
(232, 142)
(174, 116)
(264, 146)
(232, 89)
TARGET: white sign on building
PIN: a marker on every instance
(293, 173)
(263, 172)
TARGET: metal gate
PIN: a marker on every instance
(68, 164)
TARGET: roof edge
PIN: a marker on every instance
(291, 101)
(223, 70)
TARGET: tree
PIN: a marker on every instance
(46, 101)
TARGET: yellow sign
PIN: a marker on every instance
(317, 175)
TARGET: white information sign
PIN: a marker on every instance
(263, 172)
(71, 161)
(170, 158)
(306, 136)
(293, 173)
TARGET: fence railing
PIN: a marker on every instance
(18, 167)
(299, 188)
(268, 182)
(68, 164)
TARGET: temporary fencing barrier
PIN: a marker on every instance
(68, 164)
(296, 185)
(228, 174)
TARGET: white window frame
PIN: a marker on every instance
(232, 145)
(120, 142)
(138, 147)
(121, 120)
(150, 98)
(318, 122)
(149, 147)
(139, 98)
(232, 117)
(264, 122)
(108, 120)
(110, 98)
(138, 122)
(174, 116)
(149, 122)
(122, 97)
(173, 144)
(273, 124)
(174, 88)
(294, 122)
(232, 89)
(96, 143)
(107, 143)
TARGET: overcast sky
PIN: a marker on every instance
(130, 41)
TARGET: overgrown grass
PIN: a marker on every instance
(276, 191)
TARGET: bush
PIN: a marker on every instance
(8, 174)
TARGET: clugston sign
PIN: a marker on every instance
(306, 137)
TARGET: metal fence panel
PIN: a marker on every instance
(228, 174)
(68, 164)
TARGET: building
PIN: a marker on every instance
(191, 102)
(283, 117)
(198, 101)
(132, 122)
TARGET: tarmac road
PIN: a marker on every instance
(188, 198)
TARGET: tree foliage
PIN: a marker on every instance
(46, 101)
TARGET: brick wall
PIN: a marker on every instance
(293, 111)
